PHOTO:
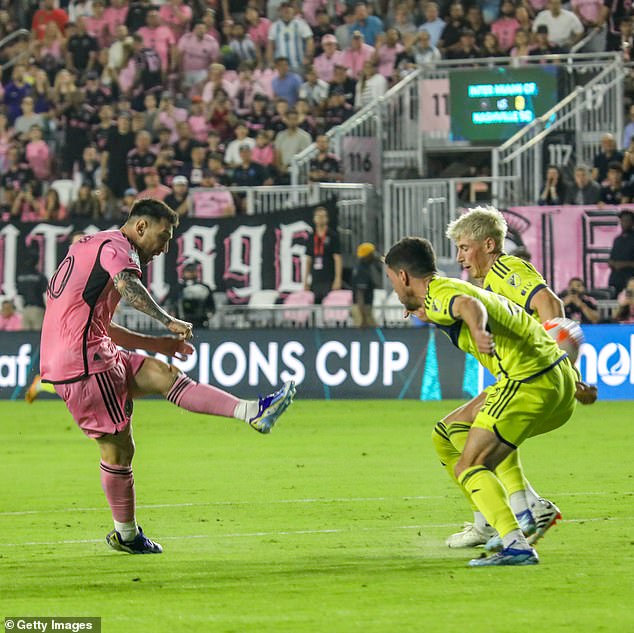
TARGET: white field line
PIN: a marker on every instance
(276, 501)
(294, 532)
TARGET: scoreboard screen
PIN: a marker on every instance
(489, 105)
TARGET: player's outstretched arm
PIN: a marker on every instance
(474, 314)
(135, 293)
(169, 345)
(547, 305)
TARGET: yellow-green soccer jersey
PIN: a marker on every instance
(515, 279)
(523, 349)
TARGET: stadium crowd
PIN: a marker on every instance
(131, 99)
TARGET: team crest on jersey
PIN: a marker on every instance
(134, 258)
(515, 280)
(436, 306)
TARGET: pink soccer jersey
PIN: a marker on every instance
(81, 302)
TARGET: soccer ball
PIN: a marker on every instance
(567, 335)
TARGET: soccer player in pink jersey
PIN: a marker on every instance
(98, 381)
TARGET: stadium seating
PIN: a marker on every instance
(336, 308)
(295, 317)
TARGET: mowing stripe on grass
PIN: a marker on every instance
(272, 501)
(296, 532)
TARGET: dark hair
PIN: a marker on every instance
(615, 165)
(155, 209)
(414, 255)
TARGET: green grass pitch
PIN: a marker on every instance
(335, 522)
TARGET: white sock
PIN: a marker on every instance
(479, 520)
(515, 539)
(531, 495)
(517, 501)
(245, 410)
(127, 530)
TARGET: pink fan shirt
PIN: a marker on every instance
(38, 155)
(176, 22)
(160, 39)
(81, 301)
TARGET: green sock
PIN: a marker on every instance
(489, 496)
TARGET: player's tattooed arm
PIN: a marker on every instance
(135, 293)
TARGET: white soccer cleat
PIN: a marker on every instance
(546, 514)
(471, 536)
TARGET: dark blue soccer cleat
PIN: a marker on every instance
(140, 544)
(271, 407)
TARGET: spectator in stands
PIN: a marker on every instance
(542, 44)
(98, 25)
(85, 205)
(216, 166)
(287, 84)
(158, 37)
(621, 261)
(170, 115)
(450, 37)
(578, 304)
(325, 63)
(42, 93)
(17, 178)
(613, 192)
(119, 144)
(506, 26)
(118, 51)
(554, 190)
(221, 115)
(564, 27)
(403, 22)
(184, 143)
(522, 45)
(342, 32)
(196, 165)
(176, 15)
(153, 186)
(365, 278)
(241, 45)
(323, 264)
(24, 123)
(387, 53)
(26, 205)
(337, 110)
(290, 37)
(38, 154)
(81, 50)
(212, 200)
(592, 18)
(322, 27)
(524, 17)
(191, 299)
(419, 53)
(49, 51)
(179, 199)
(607, 155)
(305, 118)
(258, 118)
(490, 46)
(354, 57)
(209, 20)
(371, 85)
(233, 155)
(139, 160)
(48, 13)
(136, 17)
(278, 120)
(342, 84)
(51, 207)
(325, 167)
(14, 92)
(434, 24)
(196, 50)
(31, 286)
(249, 174)
(289, 142)
(370, 26)
(475, 22)
(10, 319)
(624, 313)
(263, 152)
(466, 47)
(258, 29)
(584, 190)
(314, 90)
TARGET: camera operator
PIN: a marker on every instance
(192, 300)
(625, 311)
(578, 305)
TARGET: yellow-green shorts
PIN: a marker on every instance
(516, 410)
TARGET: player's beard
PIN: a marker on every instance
(411, 302)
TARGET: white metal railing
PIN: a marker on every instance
(581, 119)
(394, 120)
(357, 204)
(22, 54)
(425, 207)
